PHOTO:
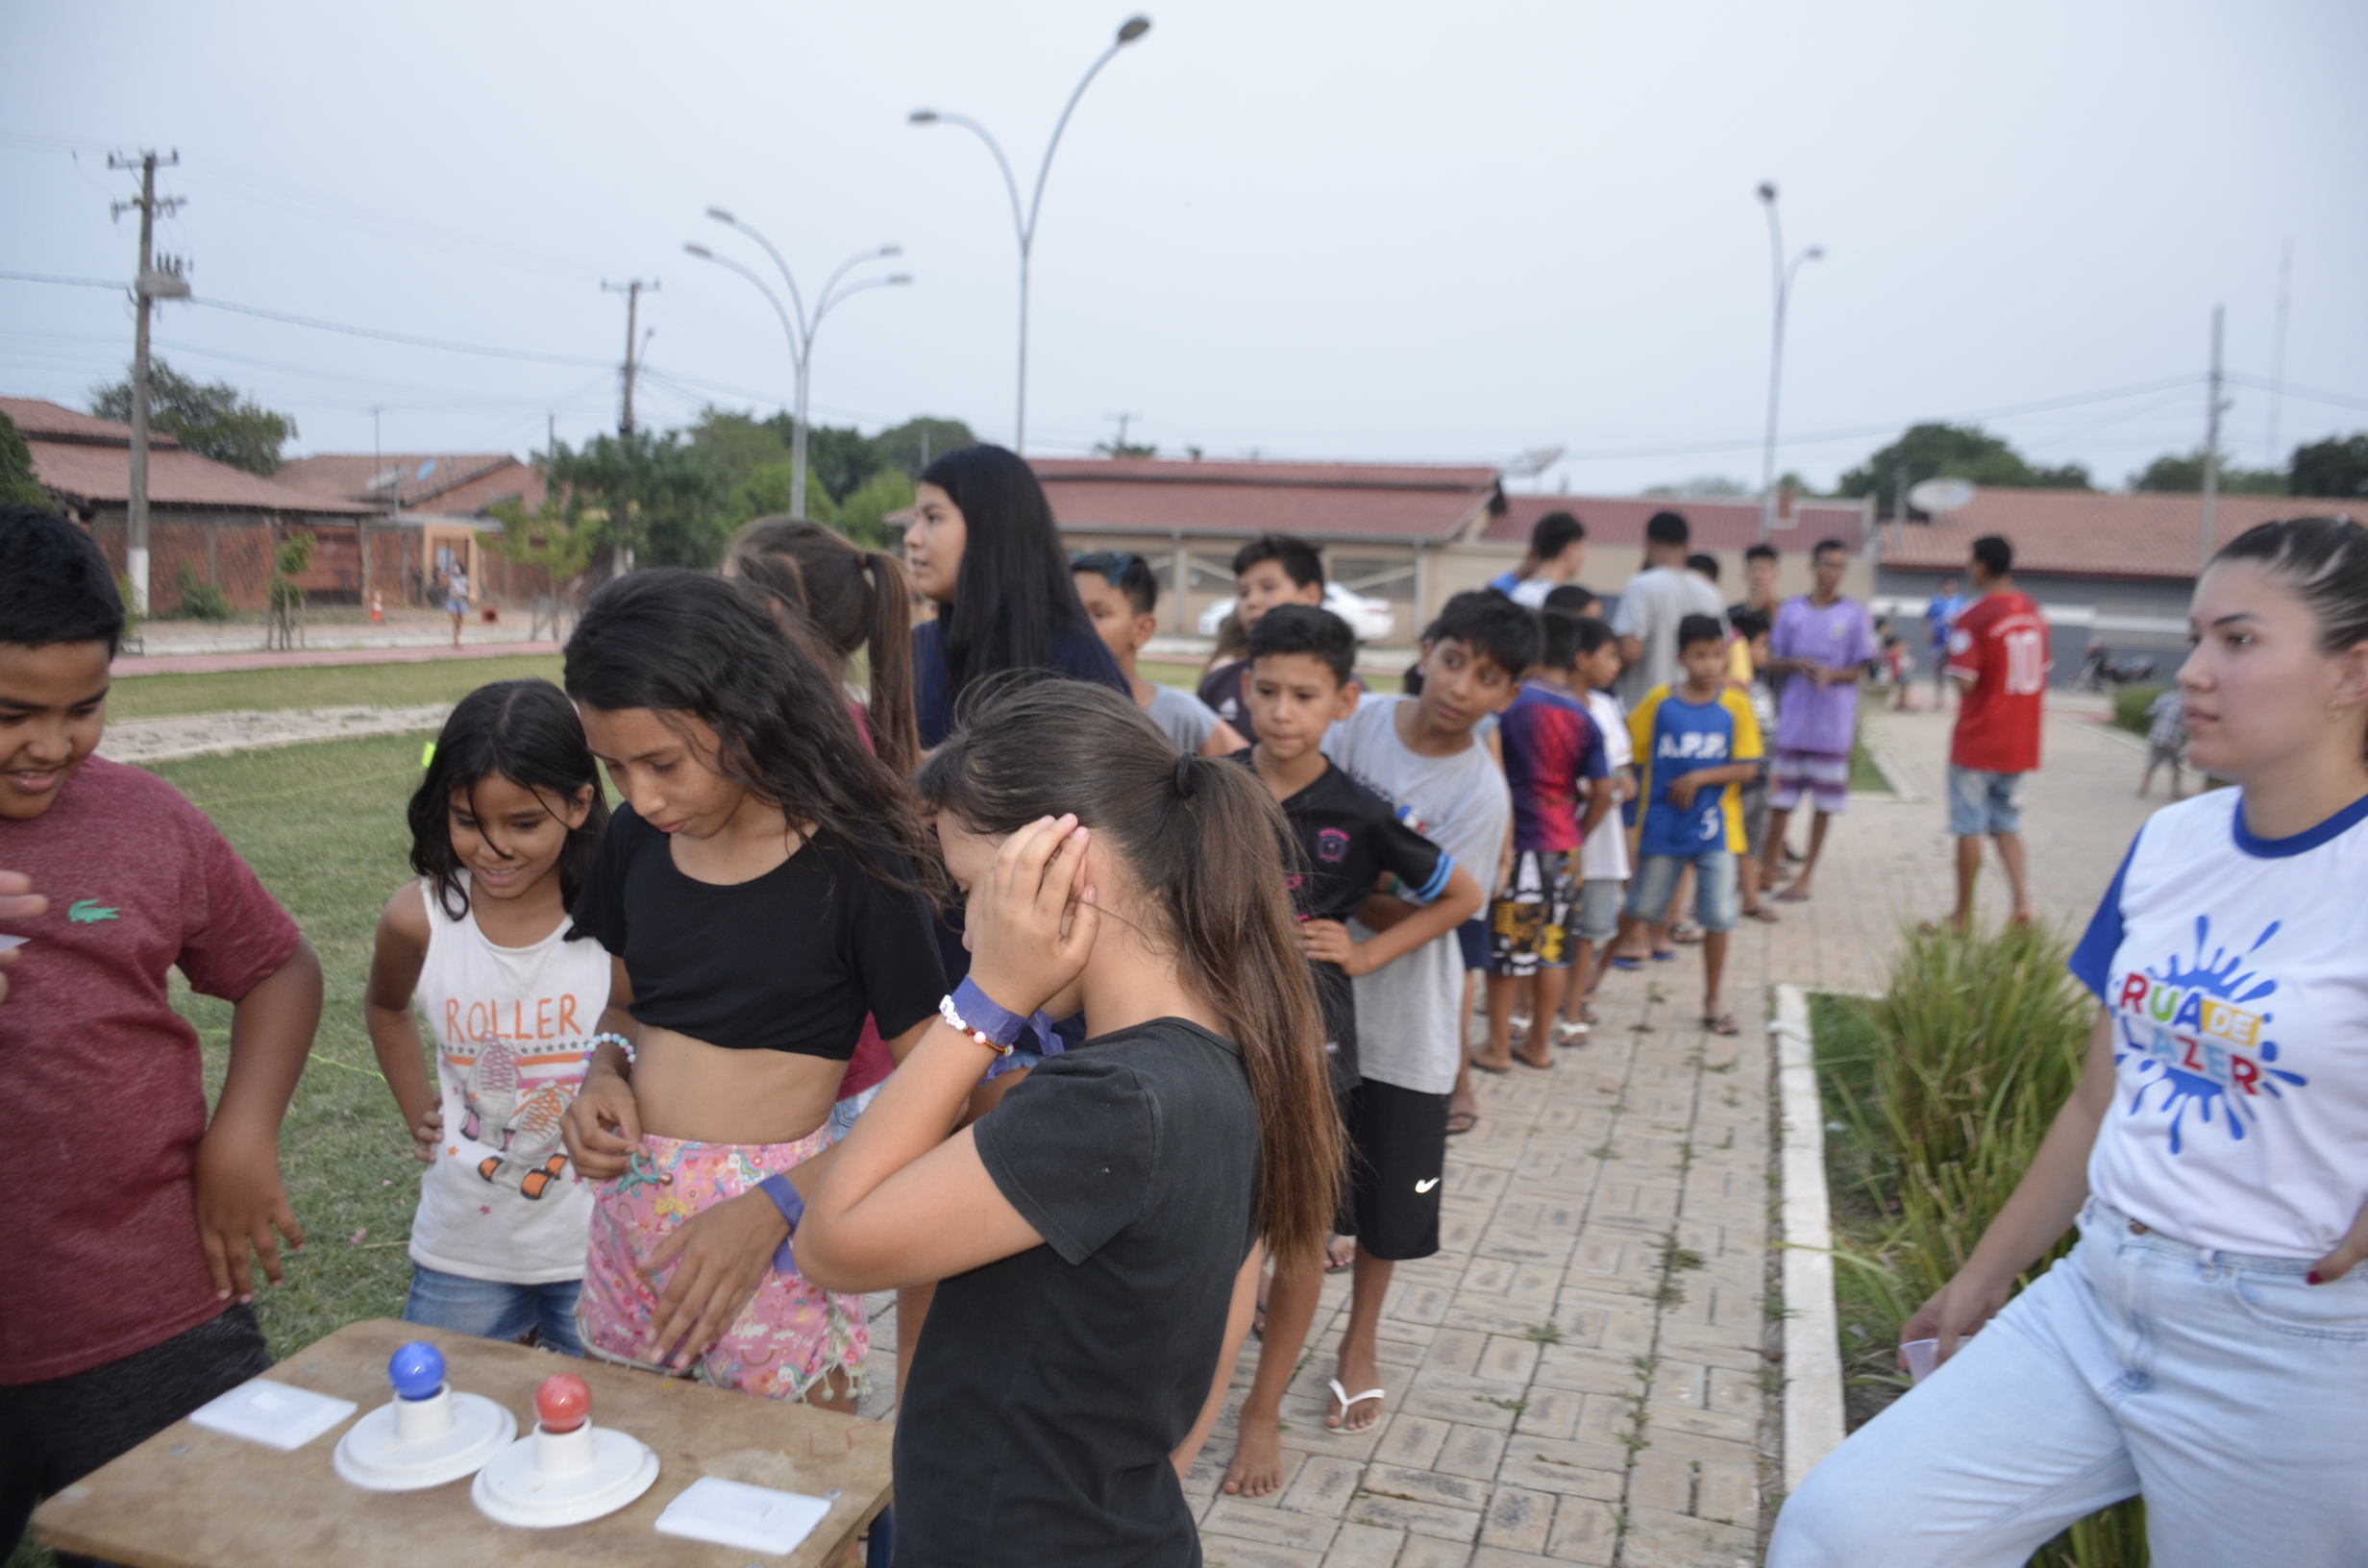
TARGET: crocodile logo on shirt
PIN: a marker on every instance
(89, 912)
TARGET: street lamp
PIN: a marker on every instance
(800, 332)
(1785, 272)
(1133, 28)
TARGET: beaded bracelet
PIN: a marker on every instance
(954, 1021)
(592, 1047)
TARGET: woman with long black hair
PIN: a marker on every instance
(983, 546)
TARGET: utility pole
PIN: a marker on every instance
(150, 286)
(2276, 359)
(2212, 451)
(633, 339)
(1119, 448)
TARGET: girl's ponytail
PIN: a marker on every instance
(1205, 839)
(841, 600)
(888, 635)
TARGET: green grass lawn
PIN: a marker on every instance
(318, 686)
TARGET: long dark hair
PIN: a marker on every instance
(2324, 561)
(1015, 589)
(1204, 839)
(527, 732)
(681, 642)
(847, 598)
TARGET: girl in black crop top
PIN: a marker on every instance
(760, 891)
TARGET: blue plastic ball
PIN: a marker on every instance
(416, 1370)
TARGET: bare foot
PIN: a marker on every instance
(1358, 1375)
(1339, 1253)
(1493, 1064)
(1257, 1467)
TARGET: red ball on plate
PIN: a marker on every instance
(563, 1403)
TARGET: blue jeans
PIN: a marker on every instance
(2224, 1388)
(492, 1309)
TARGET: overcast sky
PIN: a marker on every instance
(1378, 231)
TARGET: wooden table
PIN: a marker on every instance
(190, 1498)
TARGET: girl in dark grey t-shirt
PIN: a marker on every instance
(1096, 1234)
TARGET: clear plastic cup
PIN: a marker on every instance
(1921, 1356)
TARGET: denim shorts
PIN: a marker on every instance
(494, 1308)
(1473, 939)
(1716, 904)
(1981, 802)
(1598, 912)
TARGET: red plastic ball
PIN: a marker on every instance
(563, 1403)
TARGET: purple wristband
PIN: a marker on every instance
(785, 1199)
(982, 1013)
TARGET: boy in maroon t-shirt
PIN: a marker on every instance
(126, 1302)
(1998, 659)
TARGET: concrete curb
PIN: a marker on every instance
(1812, 1346)
(143, 741)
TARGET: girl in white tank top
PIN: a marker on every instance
(476, 951)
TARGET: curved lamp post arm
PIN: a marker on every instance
(796, 339)
(829, 301)
(1011, 188)
(1036, 202)
(787, 276)
(881, 254)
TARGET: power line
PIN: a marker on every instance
(410, 338)
(70, 282)
(2340, 400)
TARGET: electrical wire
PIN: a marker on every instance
(413, 340)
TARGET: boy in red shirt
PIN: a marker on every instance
(126, 1303)
(1998, 659)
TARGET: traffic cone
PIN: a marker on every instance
(377, 607)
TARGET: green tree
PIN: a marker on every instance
(657, 496)
(2184, 473)
(2337, 466)
(1964, 451)
(903, 447)
(213, 420)
(17, 485)
(861, 515)
(736, 444)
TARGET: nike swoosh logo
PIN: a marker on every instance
(1425, 1187)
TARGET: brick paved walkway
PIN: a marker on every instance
(1587, 1345)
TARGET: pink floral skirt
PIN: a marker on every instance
(791, 1336)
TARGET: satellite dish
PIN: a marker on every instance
(428, 467)
(1941, 496)
(382, 479)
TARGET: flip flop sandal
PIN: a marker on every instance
(1764, 915)
(1546, 1065)
(1685, 934)
(1349, 1404)
(1624, 962)
(1664, 955)
(1478, 1066)
(1793, 895)
(1723, 1025)
(1470, 1119)
(1568, 1032)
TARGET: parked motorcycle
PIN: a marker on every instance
(2101, 671)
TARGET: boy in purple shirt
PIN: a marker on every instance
(1818, 650)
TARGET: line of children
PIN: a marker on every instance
(1555, 767)
(504, 826)
(1699, 742)
(1301, 682)
(1121, 595)
(127, 1299)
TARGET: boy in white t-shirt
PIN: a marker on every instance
(1417, 754)
(1603, 860)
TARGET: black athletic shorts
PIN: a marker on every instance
(1398, 1163)
(54, 1433)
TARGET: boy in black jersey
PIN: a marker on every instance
(1350, 841)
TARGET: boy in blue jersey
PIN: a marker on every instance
(1697, 745)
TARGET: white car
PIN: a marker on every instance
(1370, 619)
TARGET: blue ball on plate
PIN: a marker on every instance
(416, 1370)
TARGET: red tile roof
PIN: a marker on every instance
(1718, 525)
(1320, 501)
(2087, 532)
(428, 482)
(93, 475)
(36, 418)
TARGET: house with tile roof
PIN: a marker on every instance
(222, 523)
(2109, 570)
(437, 506)
(1411, 534)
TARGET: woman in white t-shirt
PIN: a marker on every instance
(2206, 1346)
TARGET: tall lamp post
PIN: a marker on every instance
(802, 330)
(1784, 273)
(1133, 28)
